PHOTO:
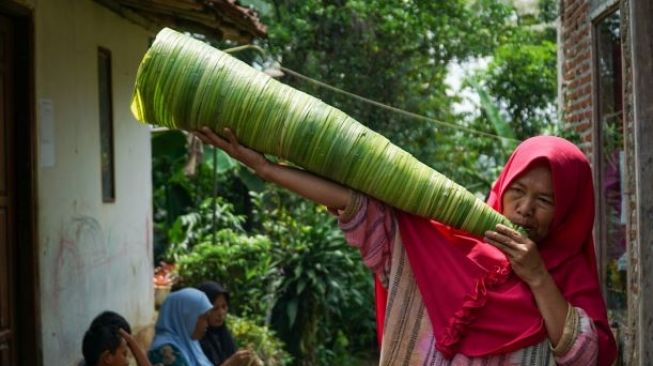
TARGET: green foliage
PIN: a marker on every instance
(293, 271)
(262, 340)
(323, 285)
(548, 10)
(517, 94)
(522, 78)
(284, 260)
(171, 193)
(396, 53)
(240, 262)
(203, 224)
(500, 125)
(180, 201)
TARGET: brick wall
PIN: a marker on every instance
(576, 69)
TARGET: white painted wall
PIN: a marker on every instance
(93, 255)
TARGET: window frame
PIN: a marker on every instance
(600, 219)
(104, 58)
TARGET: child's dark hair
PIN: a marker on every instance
(102, 336)
(111, 319)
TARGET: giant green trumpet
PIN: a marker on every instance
(184, 83)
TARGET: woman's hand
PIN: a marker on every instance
(522, 252)
(230, 145)
(242, 357)
(306, 184)
(528, 265)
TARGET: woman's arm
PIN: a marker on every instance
(527, 263)
(582, 345)
(553, 306)
(315, 188)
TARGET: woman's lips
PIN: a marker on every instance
(529, 228)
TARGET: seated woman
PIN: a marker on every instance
(218, 344)
(183, 319)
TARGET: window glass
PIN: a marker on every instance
(613, 206)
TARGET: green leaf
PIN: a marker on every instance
(501, 126)
(291, 311)
(301, 284)
(252, 181)
(225, 162)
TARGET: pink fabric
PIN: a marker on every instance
(372, 235)
(585, 350)
(381, 296)
(476, 306)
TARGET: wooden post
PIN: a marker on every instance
(641, 13)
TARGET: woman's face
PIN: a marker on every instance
(218, 314)
(529, 202)
(201, 325)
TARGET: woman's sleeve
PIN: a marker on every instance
(369, 225)
(167, 355)
(579, 344)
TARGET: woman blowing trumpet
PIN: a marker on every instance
(445, 297)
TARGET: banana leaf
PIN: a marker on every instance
(184, 83)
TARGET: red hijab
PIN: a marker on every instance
(476, 305)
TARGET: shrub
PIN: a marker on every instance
(241, 263)
(323, 297)
(261, 339)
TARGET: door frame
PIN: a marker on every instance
(641, 46)
(27, 310)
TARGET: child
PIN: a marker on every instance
(107, 340)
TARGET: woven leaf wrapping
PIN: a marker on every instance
(184, 83)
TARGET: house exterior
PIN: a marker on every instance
(606, 73)
(75, 166)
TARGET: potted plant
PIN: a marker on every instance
(163, 279)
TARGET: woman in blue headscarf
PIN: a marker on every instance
(183, 319)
